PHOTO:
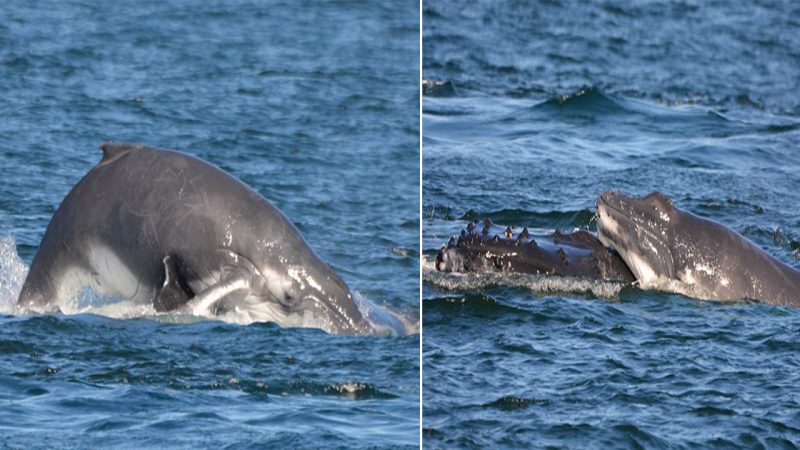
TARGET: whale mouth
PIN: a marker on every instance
(638, 233)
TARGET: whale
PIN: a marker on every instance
(673, 250)
(162, 227)
(486, 247)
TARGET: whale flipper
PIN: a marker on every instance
(172, 294)
(210, 300)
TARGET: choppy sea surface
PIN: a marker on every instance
(542, 107)
(314, 105)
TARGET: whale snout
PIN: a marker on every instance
(613, 199)
(606, 197)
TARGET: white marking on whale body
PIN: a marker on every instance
(609, 223)
(200, 305)
(687, 276)
(700, 267)
(73, 279)
(313, 283)
(107, 275)
(489, 254)
(277, 283)
(301, 277)
(644, 272)
(113, 276)
(297, 274)
(254, 309)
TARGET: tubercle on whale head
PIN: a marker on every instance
(654, 206)
(483, 247)
(504, 249)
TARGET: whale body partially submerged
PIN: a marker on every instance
(486, 247)
(644, 240)
(673, 250)
(160, 226)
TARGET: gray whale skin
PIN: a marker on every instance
(154, 225)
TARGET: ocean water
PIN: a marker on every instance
(315, 105)
(541, 107)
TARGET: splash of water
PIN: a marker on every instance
(13, 271)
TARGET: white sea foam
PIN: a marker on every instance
(541, 284)
(12, 274)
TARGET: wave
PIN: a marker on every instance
(590, 102)
(352, 390)
(476, 303)
(513, 403)
(438, 88)
(586, 100)
(581, 218)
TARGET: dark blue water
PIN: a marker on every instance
(315, 105)
(548, 105)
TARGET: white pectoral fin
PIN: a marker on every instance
(203, 303)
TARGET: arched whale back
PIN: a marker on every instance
(140, 204)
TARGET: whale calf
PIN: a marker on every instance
(160, 226)
(487, 247)
(676, 251)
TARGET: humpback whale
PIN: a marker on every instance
(161, 226)
(643, 240)
(490, 248)
(673, 250)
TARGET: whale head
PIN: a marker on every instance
(641, 230)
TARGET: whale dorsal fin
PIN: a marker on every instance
(113, 150)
